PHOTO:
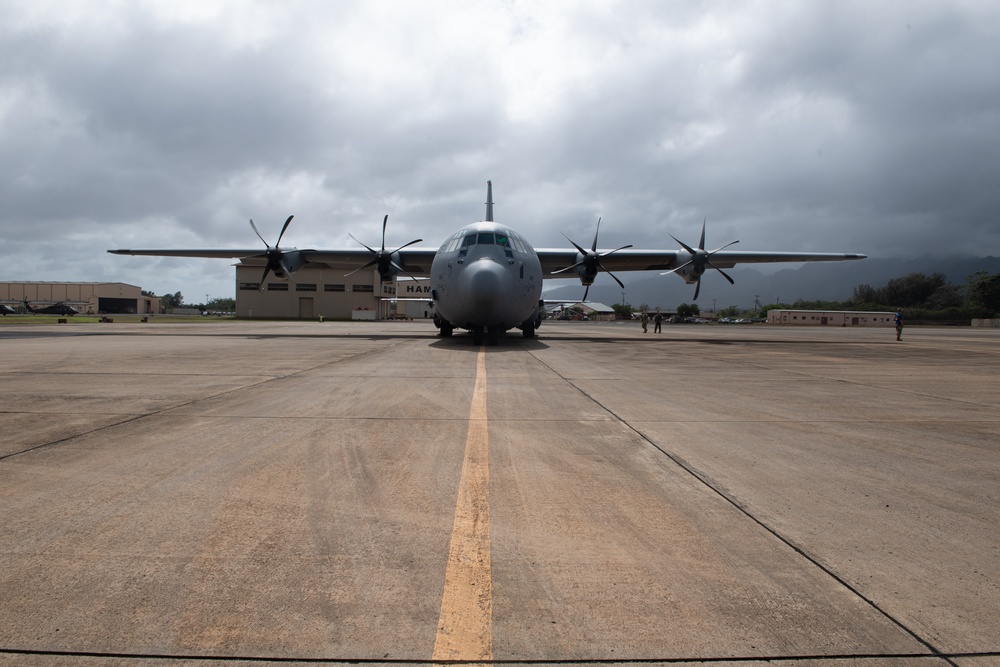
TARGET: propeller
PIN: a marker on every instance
(383, 260)
(274, 255)
(700, 260)
(591, 262)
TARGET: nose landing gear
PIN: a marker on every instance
(492, 335)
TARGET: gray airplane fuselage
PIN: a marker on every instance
(486, 275)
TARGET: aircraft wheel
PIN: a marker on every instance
(528, 329)
(477, 336)
(446, 330)
(493, 334)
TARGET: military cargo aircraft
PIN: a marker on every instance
(487, 278)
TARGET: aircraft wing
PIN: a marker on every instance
(727, 259)
(635, 259)
(223, 253)
(415, 261)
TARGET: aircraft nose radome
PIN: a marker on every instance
(485, 281)
(483, 289)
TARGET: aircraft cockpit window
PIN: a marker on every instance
(469, 240)
(486, 238)
(503, 240)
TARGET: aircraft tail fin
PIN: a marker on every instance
(28, 306)
(489, 201)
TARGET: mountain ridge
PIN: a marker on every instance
(830, 281)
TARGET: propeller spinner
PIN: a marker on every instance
(700, 260)
(591, 262)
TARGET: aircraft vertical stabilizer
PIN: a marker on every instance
(489, 201)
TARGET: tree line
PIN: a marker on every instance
(923, 298)
(176, 300)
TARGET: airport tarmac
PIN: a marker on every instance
(322, 493)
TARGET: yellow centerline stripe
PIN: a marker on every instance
(465, 626)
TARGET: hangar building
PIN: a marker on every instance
(88, 298)
(313, 291)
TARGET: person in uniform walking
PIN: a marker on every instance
(645, 321)
(657, 322)
(898, 320)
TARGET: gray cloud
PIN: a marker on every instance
(841, 126)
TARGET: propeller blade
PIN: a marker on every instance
(697, 289)
(370, 249)
(582, 261)
(722, 248)
(701, 244)
(405, 246)
(593, 248)
(283, 228)
(258, 233)
(385, 221)
(578, 248)
(687, 263)
(620, 283)
(605, 254)
(724, 274)
(585, 293)
(690, 250)
(401, 270)
(362, 268)
(263, 278)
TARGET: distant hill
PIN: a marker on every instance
(824, 281)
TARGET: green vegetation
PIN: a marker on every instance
(923, 298)
(688, 310)
(622, 311)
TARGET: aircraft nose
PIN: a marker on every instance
(486, 280)
(484, 284)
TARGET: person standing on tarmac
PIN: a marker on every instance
(657, 322)
(645, 321)
(898, 320)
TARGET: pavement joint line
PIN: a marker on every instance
(465, 623)
(154, 413)
(816, 376)
(823, 658)
(707, 482)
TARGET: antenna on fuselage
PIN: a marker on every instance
(489, 201)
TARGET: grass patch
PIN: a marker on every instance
(117, 319)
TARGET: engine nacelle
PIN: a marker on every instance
(586, 271)
(289, 263)
(691, 273)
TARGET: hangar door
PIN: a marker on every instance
(116, 306)
(305, 307)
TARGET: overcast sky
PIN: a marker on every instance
(840, 126)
